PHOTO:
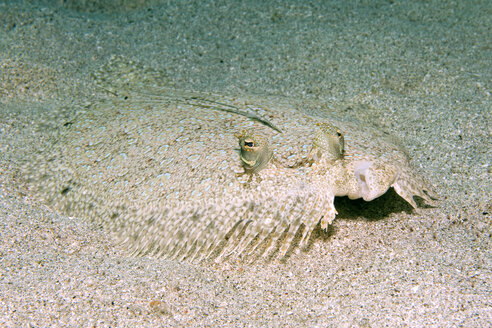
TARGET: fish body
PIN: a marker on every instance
(191, 175)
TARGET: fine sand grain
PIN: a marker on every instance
(421, 71)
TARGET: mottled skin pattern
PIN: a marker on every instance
(190, 175)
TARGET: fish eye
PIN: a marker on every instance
(254, 152)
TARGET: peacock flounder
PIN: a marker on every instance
(190, 175)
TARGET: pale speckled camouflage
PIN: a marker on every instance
(162, 168)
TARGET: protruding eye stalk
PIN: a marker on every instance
(329, 141)
(254, 152)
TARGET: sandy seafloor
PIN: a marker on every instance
(421, 70)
